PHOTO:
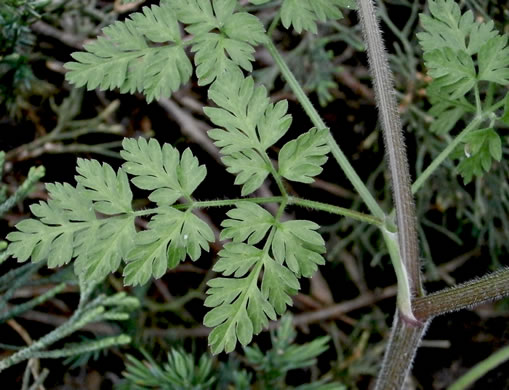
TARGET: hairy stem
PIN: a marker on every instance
(399, 353)
(394, 143)
(317, 121)
(331, 209)
(472, 293)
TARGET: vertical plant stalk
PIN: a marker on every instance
(406, 332)
(400, 353)
(394, 144)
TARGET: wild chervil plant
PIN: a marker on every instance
(264, 257)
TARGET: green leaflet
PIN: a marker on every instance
(171, 236)
(227, 50)
(251, 124)
(303, 14)
(452, 43)
(69, 228)
(110, 193)
(302, 158)
(162, 170)
(240, 308)
(242, 305)
(447, 27)
(481, 148)
(297, 244)
(124, 58)
(247, 222)
(453, 71)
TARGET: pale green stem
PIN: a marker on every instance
(480, 369)
(444, 154)
(404, 297)
(335, 210)
(478, 105)
(317, 121)
(331, 209)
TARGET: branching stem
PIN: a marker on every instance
(317, 121)
(291, 200)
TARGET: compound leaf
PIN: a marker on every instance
(239, 307)
(171, 236)
(250, 124)
(453, 42)
(247, 222)
(301, 159)
(447, 27)
(303, 14)
(162, 169)
(226, 51)
(124, 59)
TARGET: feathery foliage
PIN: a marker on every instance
(146, 53)
(93, 222)
(462, 56)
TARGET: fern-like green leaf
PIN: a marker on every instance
(240, 308)
(303, 14)
(301, 159)
(247, 222)
(162, 170)
(250, 124)
(171, 236)
(68, 226)
(481, 148)
(231, 48)
(299, 245)
(452, 43)
(124, 58)
(447, 27)
(278, 285)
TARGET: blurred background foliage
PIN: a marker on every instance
(464, 229)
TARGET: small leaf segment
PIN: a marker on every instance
(466, 59)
